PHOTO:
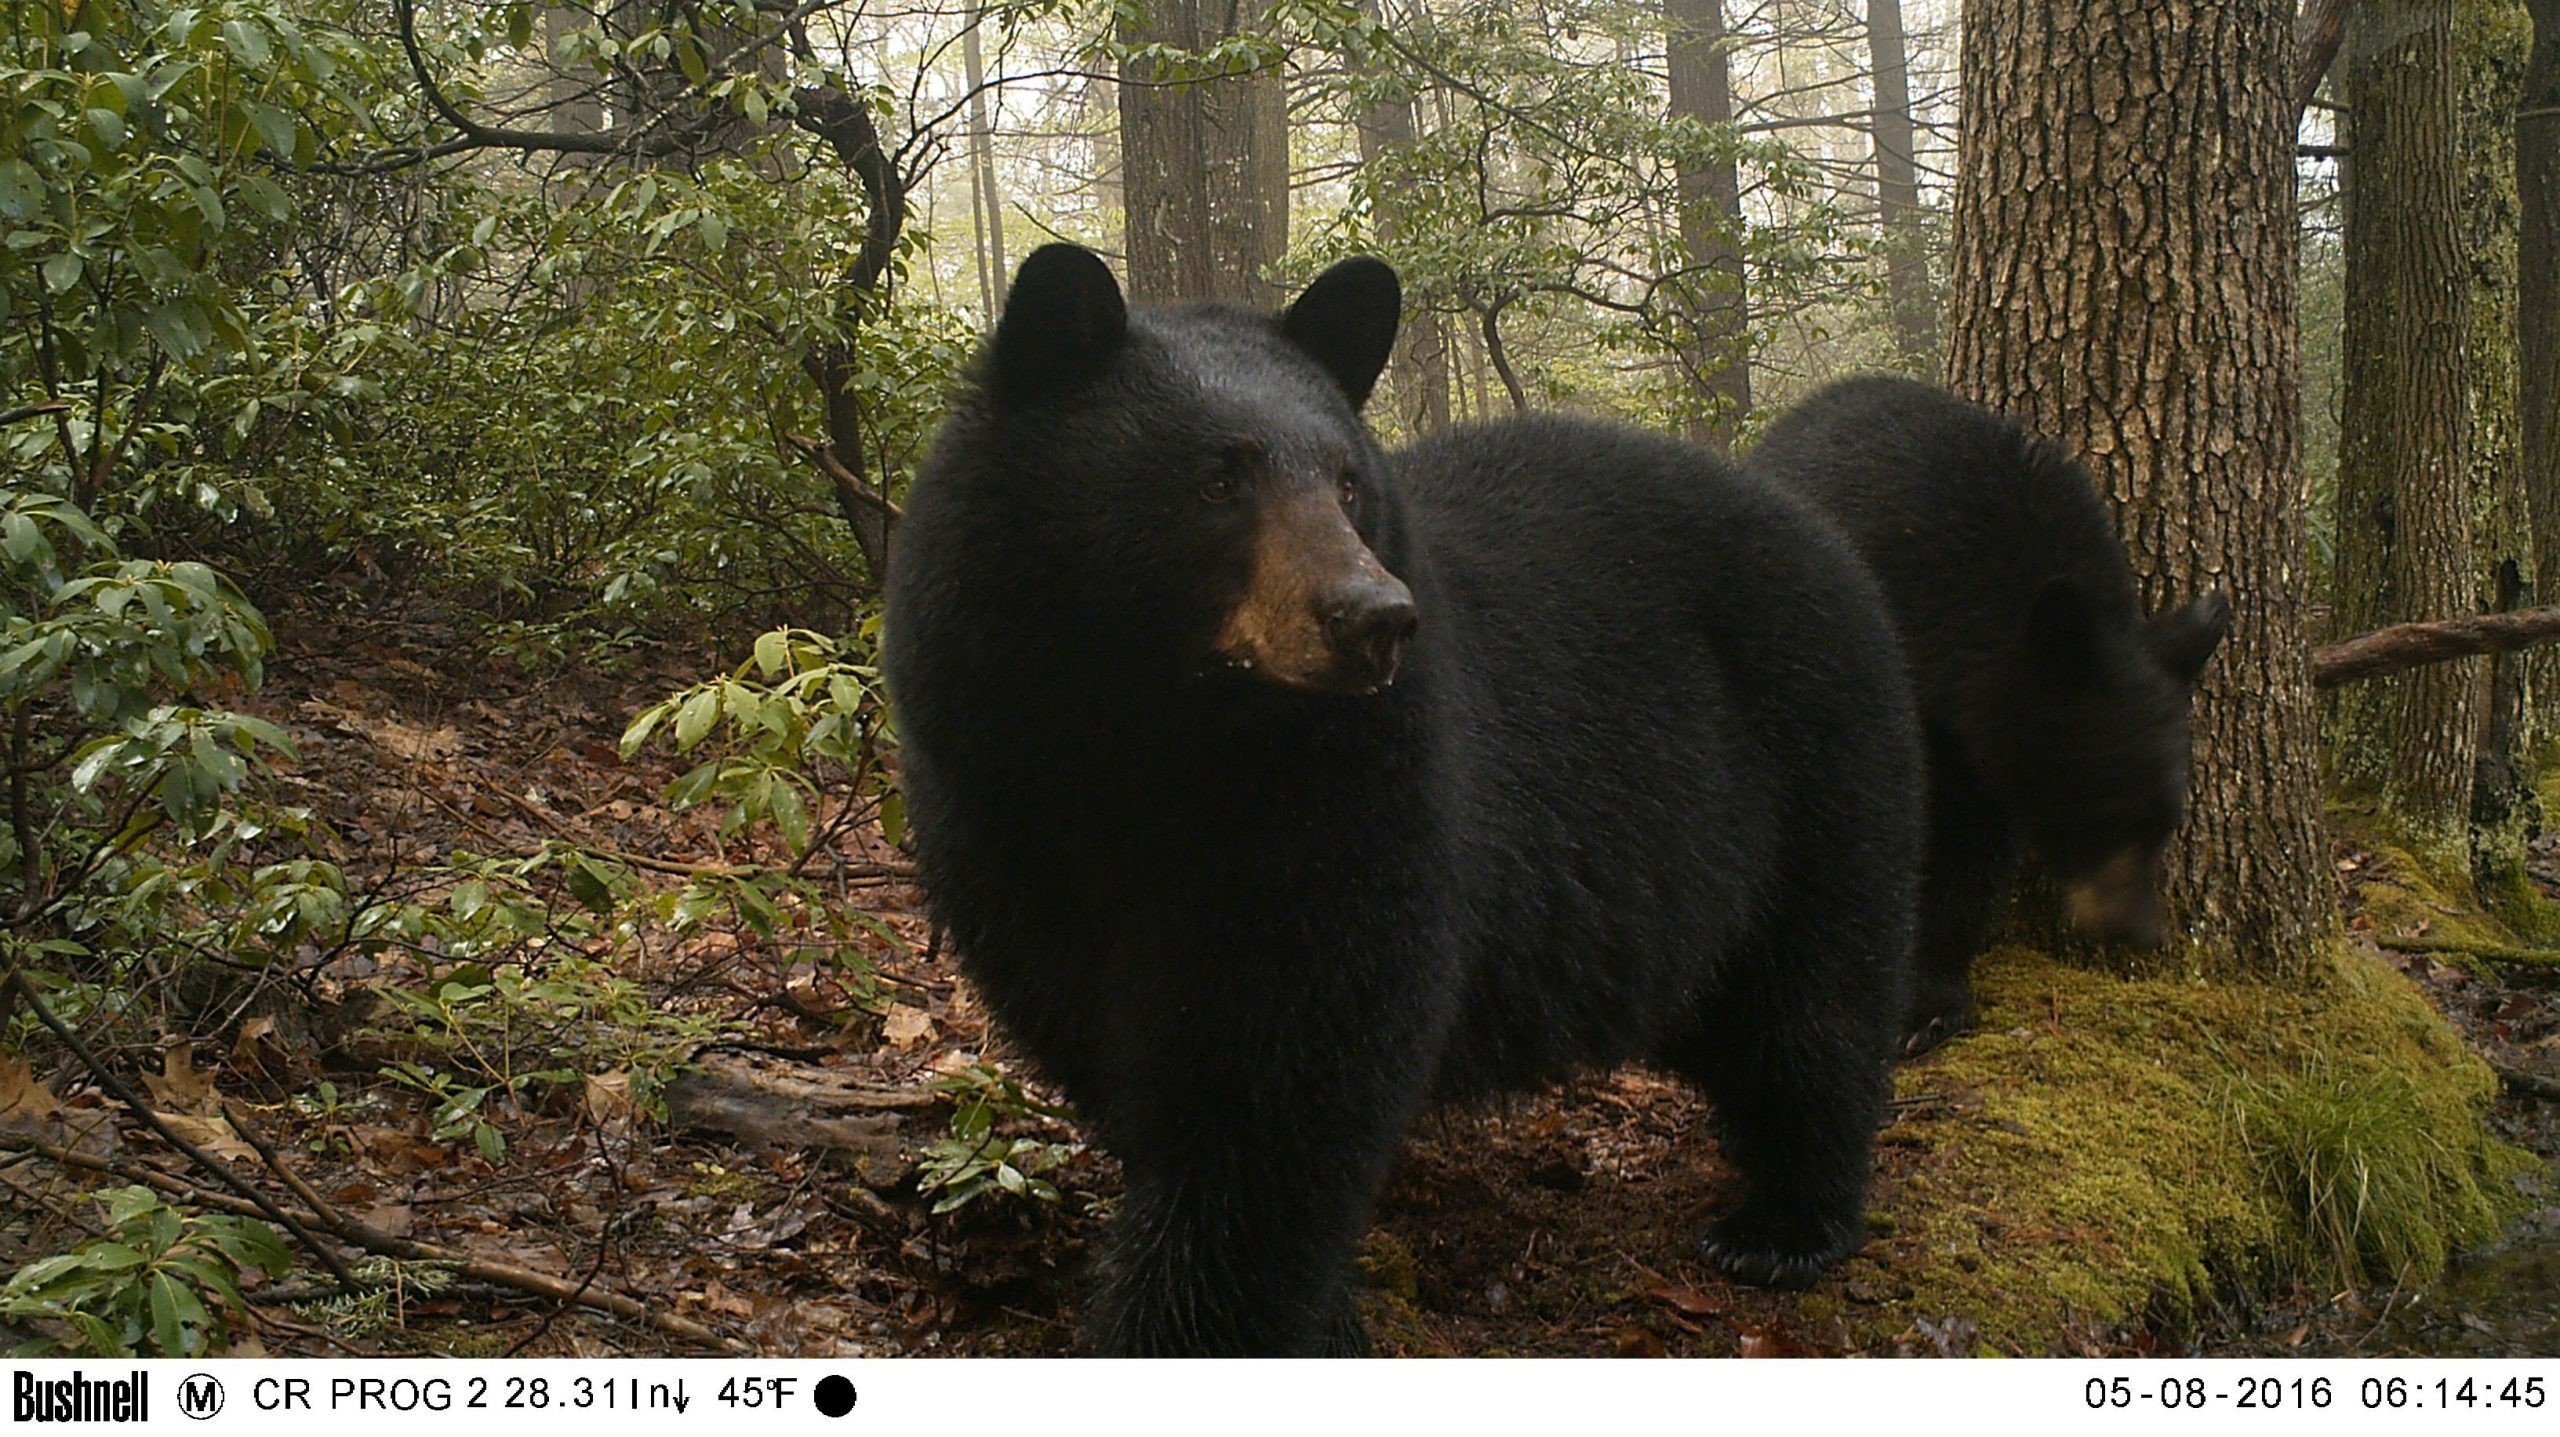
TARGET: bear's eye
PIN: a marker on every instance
(1348, 486)
(1235, 463)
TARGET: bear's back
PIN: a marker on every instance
(1963, 514)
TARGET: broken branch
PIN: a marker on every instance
(2408, 646)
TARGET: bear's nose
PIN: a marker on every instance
(1370, 627)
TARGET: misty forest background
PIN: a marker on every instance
(449, 451)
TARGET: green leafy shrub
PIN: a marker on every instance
(163, 1281)
(801, 718)
(976, 1160)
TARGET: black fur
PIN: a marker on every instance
(1646, 786)
(2056, 718)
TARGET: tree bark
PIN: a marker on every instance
(2322, 25)
(2538, 319)
(1418, 373)
(844, 124)
(2491, 39)
(1205, 166)
(1710, 223)
(2404, 501)
(1902, 226)
(2124, 278)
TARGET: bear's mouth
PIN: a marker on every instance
(1363, 674)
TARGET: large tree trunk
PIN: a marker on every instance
(1710, 222)
(1205, 166)
(1418, 374)
(2124, 278)
(1902, 227)
(2491, 39)
(2404, 502)
(2538, 319)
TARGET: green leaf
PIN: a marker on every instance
(167, 1334)
(791, 815)
(589, 887)
(641, 727)
(247, 40)
(62, 272)
(695, 718)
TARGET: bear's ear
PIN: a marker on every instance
(2062, 635)
(2183, 639)
(1347, 320)
(1062, 319)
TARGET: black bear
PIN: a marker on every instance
(2055, 715)
(1271, 787)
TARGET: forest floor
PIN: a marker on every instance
(1560, 1225)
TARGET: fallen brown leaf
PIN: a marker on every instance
(1636, 1342)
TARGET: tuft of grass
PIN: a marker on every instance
(2355, 1158)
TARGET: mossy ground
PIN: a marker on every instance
(2406, 901)
(2108, 1151)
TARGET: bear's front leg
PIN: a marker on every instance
(1238, 1243)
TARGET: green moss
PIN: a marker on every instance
(2108, 1150)
(1390, 1306)
(2413, 891)
(2516, 901)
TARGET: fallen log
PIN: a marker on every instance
(757, 1102)
(2408, 646)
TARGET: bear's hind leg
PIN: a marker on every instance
(1971, 865)
(1799, 1082)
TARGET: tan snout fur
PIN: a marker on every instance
(1303, 548)
(2119, 902)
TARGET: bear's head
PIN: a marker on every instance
(2106, 779)
(1194, 482)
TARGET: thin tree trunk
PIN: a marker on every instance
(993, 272)
(1902, 227)
(1205, 166)
(1710, 222)
(2404, 502)
(574, 102)
(2322, 25)
(1418, 374)
(2129, 286)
